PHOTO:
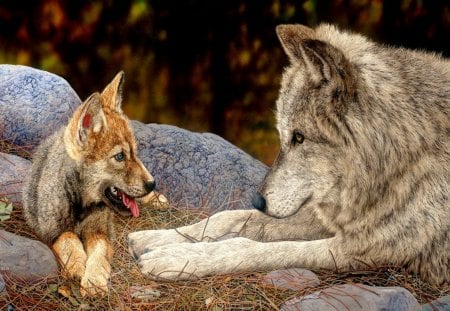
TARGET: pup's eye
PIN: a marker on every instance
(297, 137)
(119, 156)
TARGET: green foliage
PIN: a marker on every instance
(5, 209)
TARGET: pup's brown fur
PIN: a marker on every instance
(79, 175)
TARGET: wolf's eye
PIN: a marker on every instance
(119, 156)
(297, 137)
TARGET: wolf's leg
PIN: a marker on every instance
(223, 225)
(251, 224)
(193, 260)
(96, 231)
(71, 256)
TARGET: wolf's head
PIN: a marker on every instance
(100, 140)
(316, 91)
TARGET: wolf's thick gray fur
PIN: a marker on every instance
(365, 158)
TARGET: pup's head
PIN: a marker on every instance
(100, 140)
(313, 102)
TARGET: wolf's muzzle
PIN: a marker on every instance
(259, 202)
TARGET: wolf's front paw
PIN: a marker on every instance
(190, 261)
(140, 242)
(183, 261)
(96, 277)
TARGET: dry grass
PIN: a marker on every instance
(228, 292)
(238, 291)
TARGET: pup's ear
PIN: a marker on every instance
(112, 94)
(91, 119)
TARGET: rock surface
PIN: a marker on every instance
(192, 169)
(33, 103)
(294, 279)
(13, 170)
(24, 258)
(355, 297)
(198, 169)
(144, 293)
(2, 285)
(441, 304)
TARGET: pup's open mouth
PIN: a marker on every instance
(122, 202)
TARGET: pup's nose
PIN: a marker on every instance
(149, 185)
(259, 202)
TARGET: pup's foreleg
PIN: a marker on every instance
(71, 255)
(98, 265)
(96, 230)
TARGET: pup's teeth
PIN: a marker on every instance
(114, 190)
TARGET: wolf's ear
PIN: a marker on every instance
(292, 38)
(302, 46)
(112, 94)
(90, 119)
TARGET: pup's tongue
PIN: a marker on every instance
(131, 204)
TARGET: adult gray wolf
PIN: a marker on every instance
(362, 177)
(79, 176)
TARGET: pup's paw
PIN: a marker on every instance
(96, 278)
(71, 255)
(154, 198)
(141, 242)
(75, 268)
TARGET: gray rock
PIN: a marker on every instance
(13, 170)
(198, 169)
(294, 278)
(2, 285)
(191, 169)
(33, 103)
(355, 297)
(144, 293)
(24, 258)
(441, 304)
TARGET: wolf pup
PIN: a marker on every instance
(363, 173)
(79, 176)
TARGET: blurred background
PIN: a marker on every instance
(204, 65)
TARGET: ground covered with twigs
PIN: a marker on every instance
(129, 290)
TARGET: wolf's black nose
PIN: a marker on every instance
(149, 185)
(259, 202)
